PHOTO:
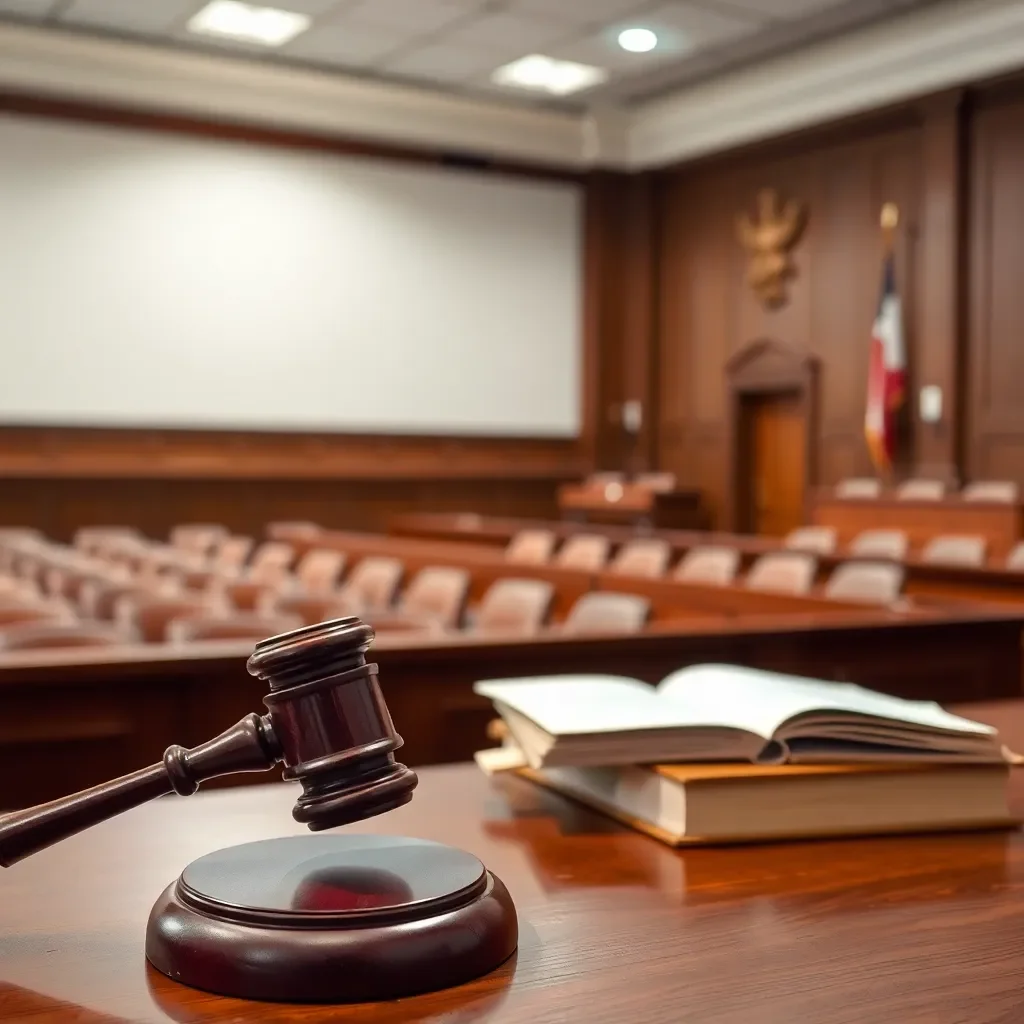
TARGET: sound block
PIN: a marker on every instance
(332, 919)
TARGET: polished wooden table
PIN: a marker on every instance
(615, 927)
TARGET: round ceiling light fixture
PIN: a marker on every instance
(638, 40)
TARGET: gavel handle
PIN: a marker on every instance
(248, 746)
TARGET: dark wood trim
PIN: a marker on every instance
(129, 453)
(766, 368)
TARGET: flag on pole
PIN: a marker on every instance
(886, 374)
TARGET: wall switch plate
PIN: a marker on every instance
(632, 415)
(929, 404)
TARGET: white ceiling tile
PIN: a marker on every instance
(412, 15)
(685, 27)
(315, 8)
(783, 8)
(602, 50)
(345, 43)
(509, 34)
(582, 13)
(129, 15)
(27, 8)
(442, 60)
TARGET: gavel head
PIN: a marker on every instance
(328, 717)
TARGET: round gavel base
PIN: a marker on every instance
(330, 919)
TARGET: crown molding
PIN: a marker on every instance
(921, 52)
(144, 77)
(886, 63)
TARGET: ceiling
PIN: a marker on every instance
(455, 45)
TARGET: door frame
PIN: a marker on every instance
(767, 368)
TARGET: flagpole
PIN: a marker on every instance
(889, 220)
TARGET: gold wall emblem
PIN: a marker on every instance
(769, 243)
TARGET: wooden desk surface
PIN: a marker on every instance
(614, 926)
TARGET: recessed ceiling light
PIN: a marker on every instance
(638, 40)
(545, 74)
(267, 26)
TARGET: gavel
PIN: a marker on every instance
(326, 721)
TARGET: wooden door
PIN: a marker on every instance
(778, 455)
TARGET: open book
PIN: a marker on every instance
(726, 713)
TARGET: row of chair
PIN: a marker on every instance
(652, 556)
(948, 549)
(921, 489)
(790, 571)
(795, 572)
(112, 586)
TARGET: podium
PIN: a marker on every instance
(633, 505)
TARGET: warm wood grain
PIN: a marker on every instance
(119, 708)
(941, 268)
(707, 313)
(1000, 523)
(614, 926)
(632, 504)
(996, 358)
(59, 480)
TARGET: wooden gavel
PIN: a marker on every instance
(327, 722)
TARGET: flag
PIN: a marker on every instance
(887, 366)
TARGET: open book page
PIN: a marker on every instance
(581, 705)
(773, 704)
(567, 705)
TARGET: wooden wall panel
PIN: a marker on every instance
(707, 311)
(996, 295)
(60, 479)
(59, 506)
(942, 306)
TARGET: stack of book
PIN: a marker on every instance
(719, 753)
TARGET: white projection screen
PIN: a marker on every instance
(155, 280)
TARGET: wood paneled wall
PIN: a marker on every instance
(923, 157)
(60, 479)
(708, 311)
(666, 305)
(995, 369)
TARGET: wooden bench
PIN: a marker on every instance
(921, 521)
(117, 709)
(950, 583)
(672, 601)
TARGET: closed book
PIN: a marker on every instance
(684, 804)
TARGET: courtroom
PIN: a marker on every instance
(511, 510)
